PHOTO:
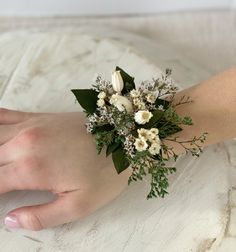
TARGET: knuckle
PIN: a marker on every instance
(30, 136)
(29, 164)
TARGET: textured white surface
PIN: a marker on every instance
(38, 69)
(232, 226)
(104, 7)
(207, 38)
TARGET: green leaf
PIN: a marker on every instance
(128, 81)
(168, 129)
(102, 128)
(112, 147)
(157, 115)
(187, 120)
(157, 157)
(162, 102)
(87, 98)
(120, 160)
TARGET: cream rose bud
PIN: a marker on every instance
(140, 144)
(121, 103)
(142, 116)
(155, 148)
(117, 81)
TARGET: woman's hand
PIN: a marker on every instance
(53, 151)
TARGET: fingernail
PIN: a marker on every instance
(11, 221)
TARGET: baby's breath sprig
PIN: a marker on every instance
(131, 123)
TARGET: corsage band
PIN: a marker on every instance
(131, 123)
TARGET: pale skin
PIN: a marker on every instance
(53, 152)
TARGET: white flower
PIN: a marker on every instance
(141, 105)
(134, 93)
(160, 107)
(154, 131)
(153, 135)
(142, 116)
(154, 139)
(155, 148)
(151, 97)
(143, 133)
(117, 81)
(136, 101)
(140, 144)
(102, 95)
(100, 102)
(121, 103)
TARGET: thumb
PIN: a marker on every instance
(62, 210)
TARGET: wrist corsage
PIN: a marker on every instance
(131, 123)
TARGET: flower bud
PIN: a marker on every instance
(117, 81)
(121, 103)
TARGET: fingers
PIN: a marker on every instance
(20, 167)
(8, 116)
(64, 209)
(8, 152)
(19, 145)
(6, 156)
(7, 132)
(18, 176)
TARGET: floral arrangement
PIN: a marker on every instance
(132, 123)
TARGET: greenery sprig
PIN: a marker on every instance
(131, 123)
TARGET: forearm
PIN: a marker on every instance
(213, 110)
